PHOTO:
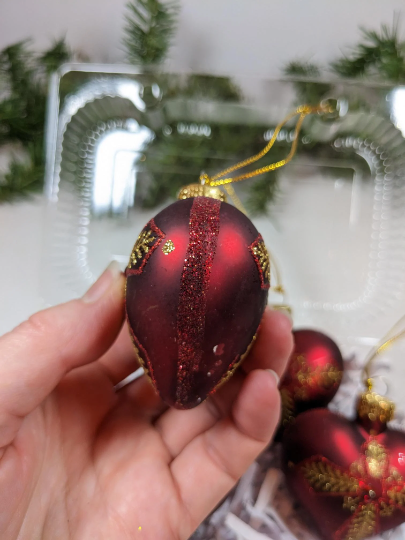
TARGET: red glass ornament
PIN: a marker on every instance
(197, 286)
(348, 475)
(313, 375)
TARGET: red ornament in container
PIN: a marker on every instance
(313, 375)
(348, 475)
(196, 289)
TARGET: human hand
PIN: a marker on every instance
(79, 460)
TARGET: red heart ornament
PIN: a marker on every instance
(196, 288)
(348, 475)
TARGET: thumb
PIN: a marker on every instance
(37, 354)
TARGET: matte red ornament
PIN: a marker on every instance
(348, 475)
(197, 286)
(313, 375)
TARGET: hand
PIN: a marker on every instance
(79, 460)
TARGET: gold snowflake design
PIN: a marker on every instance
(141, 247)
(357, 486)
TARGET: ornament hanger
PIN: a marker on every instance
(324, 107)
(394, 334)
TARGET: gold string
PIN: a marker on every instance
(302, 111)
(385, 343)
(217, 180)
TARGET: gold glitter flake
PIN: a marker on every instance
(168, 247)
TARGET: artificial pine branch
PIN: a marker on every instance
(298, 68)
(150, 26)
(307, 91)
(58, 54)
(381, 55)
(22, 113)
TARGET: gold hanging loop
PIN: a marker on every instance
(301, 112)
(393, 335)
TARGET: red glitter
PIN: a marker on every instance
(204, 230)
(151, 226)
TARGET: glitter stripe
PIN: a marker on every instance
(204, 230)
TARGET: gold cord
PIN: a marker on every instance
(217, 180)
(302, 111)
(385, 343)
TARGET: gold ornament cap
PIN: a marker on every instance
(374, 408)
(201, 190)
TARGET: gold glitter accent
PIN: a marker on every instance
(141, 361)
(288, 407)
(325, 476)
(201, 190)
(397, 495)
(376, 459)
(386, 510)
(262, 255)
(168, 247)
(351, 503)
(363, 523)
(325, 376)
(141, 247)
(235, 366)
(375, 407)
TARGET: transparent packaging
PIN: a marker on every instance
(119, 139)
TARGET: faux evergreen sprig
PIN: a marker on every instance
(380, 54)
(23, 78)
(149, 29)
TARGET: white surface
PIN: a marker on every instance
(20, 249)
(219, 36)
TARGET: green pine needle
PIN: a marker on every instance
(381, 55)
(22, 113)
(307, 91)
(150, 26)
(57, 55)
(297, 68)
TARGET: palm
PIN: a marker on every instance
(75, 445)
(88, 462)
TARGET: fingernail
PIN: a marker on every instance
(275, 375)
(104, 282)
